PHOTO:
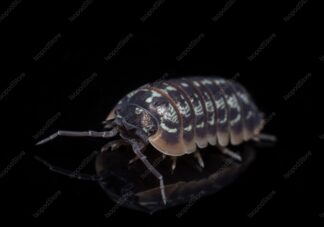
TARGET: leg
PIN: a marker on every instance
(231, 154)
(113, 145)
(106, 134)
(138, 146)
(265, 137)
(136, 158)
(199, 158)
(137, 150)
(174, 164)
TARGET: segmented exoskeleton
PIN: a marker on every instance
(180, 116)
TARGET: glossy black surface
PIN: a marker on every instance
(61, 73)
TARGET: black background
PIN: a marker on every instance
(286, 51)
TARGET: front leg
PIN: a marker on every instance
(106, 134)
(138, 146)
(157, 174)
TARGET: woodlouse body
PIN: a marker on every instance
(178, 115)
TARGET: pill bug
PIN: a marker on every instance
(179, 117)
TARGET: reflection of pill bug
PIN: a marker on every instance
(179, 116)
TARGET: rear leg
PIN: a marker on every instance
(196, 154)
(230, 153)
(265, 137)
(174, 164)
(199, 159)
